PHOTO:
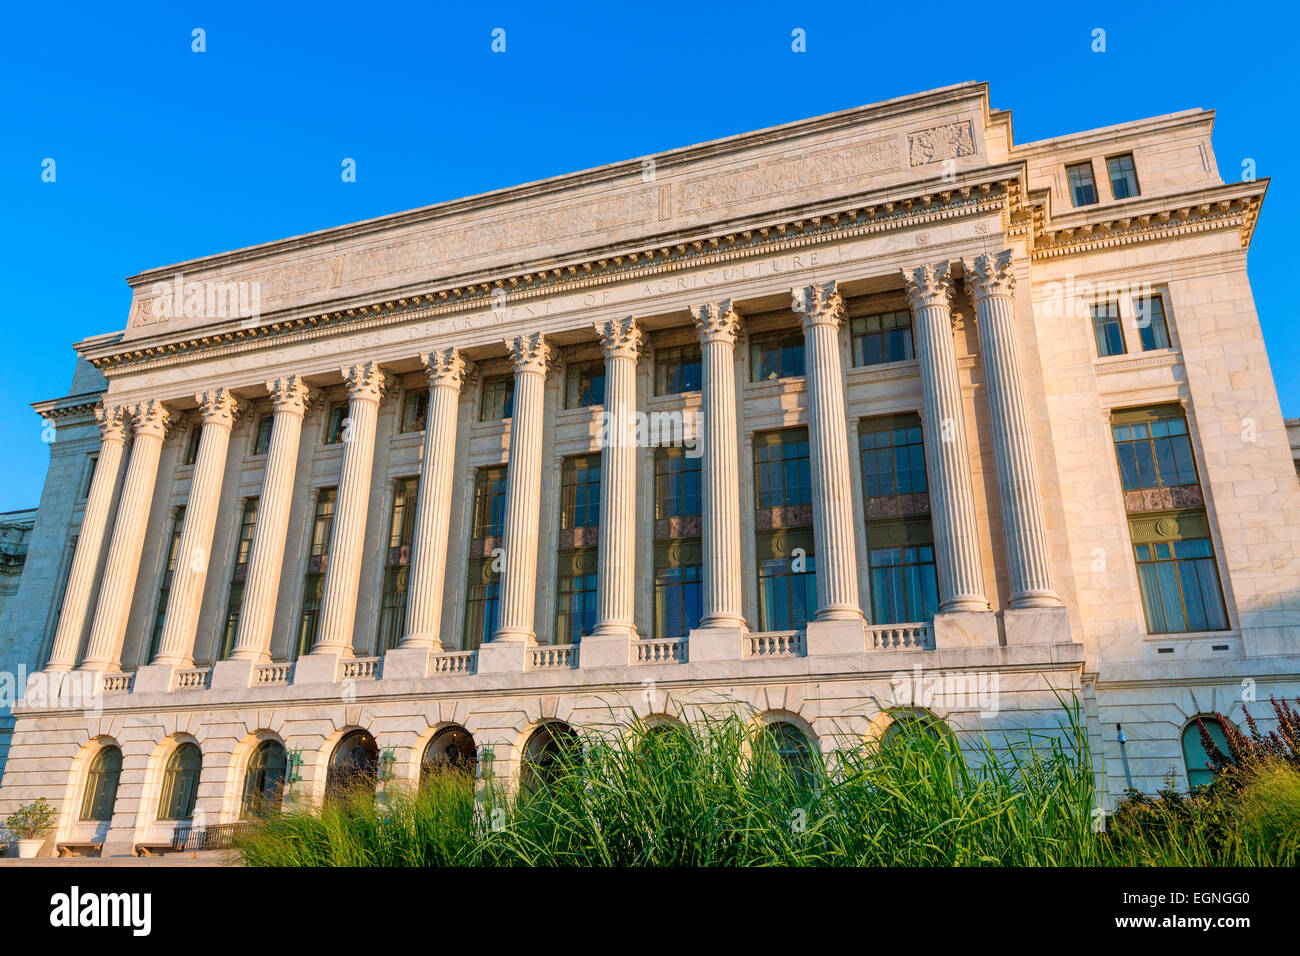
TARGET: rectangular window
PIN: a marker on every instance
(575, 597)
(678, 370)
(787, 580)
(482, 593)
(886, 337)
(415, 409)
(498, 398)
(1083, 189)
(1153, 329)
(1123, 177)
(584, 385)
(192, 446)
(262, 443)
(234, 603)
(1180, 586)
(397, 566)
(314, 582)
(490, 502)
(580, 493)
(334, 425)
(90, 477)
(893, 456)
(677, 483)
(782, 477)
(1106, 329)
(679, 597)
(775, 356)
(1155, 453)
(164, 589)
(904, 588)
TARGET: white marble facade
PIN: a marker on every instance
(800, 244)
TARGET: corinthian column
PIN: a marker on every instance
(90, 539)
(991, 283)
(104, 650)
(616, 558)
(718, 325)
(366, 385)
(176, 646)
(447, 371)
(531, 355)
(952, 499)
(837, 563)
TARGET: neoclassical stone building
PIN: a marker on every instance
(802, 421)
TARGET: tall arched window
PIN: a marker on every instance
(101, 785)
(354, 765)
(1194, 755)
(264, 781)
(545, 752)
(787, 745)
(451, 748)
(907, 721)
(180, 783)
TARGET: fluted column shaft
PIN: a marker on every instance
(718, 325)
(616, 557)
(822, 309)
(90, 539)
(366, 384)
(531, 357)
(176, 644)
(104, 650)
(992, 284)
(266, 555)
(446, 370)
(952, 498)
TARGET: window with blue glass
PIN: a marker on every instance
(1083, 188)
(782, 474)
(885, 337)
(776, 355)
(1155, 453)
(1180, 586)
(585, 384)
(677, 370)
(1153, 328)
(1123, 176)
(893, 456)
(1107, 330)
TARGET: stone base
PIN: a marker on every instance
(318, 667)
(1036, 625)
(154, 679)
(835, 637)
(715, 644)
(232, 675)
(965, 629)
(407, 662)
(605, 650)
(501, 657)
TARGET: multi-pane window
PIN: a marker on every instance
(180, 783)
(1083, 189)
(415, 409)
(782, 477)
(482, 593)
(893, 457)
(679, 599)
(313, 590)
(776, 355)
(90, 477)
(247, 520)
(580, 492)
(886, 337)
(677, 370)
(1155, 454)
(904, 587)
(262, 441)
(164, 588)
(584, 384)
(490, 502)
(1123, 177)
(498, 398)
(1153, 329)
(575, 597)
(397, 566)
(334, 424)
(192, 445)
(1180, 586)
(677, 483)
(264, 780)
(1106, 329)
(787, 580)
(101, 785)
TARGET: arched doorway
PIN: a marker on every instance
(264, 780)
(451, 750)
(544, 754)
(354, 766)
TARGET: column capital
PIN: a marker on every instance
(819, 304)
(151, 418)
(366, 381)
(620, 338)
(990, 274)
(716, 322)
(529, 353)
(219, 406)
(290, 394)
(446, 368)
(929, 285)
(112, 421)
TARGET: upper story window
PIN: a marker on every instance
(782, 476)
(164, 588)
(1155, 453)
(415, 408)
(397, 576)
(580, 492)
(677, 483)
(262, 441)
(585, 385)
(90, 477)
(323, 525)
(1123, 176)
(677, 370)
(490, 502)
(886, 337)
(1106, 329)
(334, 425)
(893, 458)
(1083, 188)
(192, 447)
(1153, 329)
(776, 355)
(1180, 588)
(498, 398)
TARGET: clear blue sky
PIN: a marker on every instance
(164, 154)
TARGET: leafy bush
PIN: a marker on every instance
(32, 820)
